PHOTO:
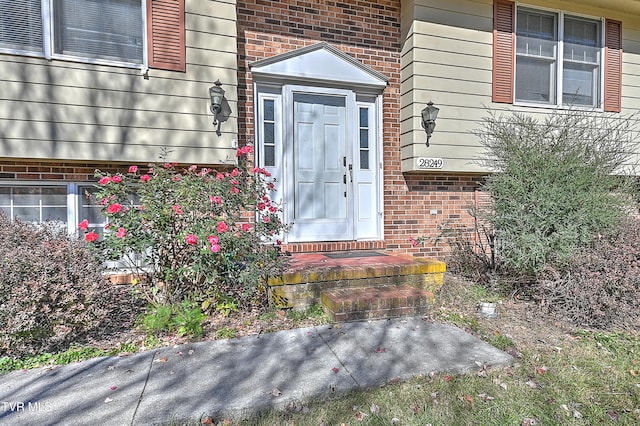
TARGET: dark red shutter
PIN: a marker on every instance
(503, 50)
(613, 66)
(165, 33)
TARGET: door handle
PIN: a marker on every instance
(351, 172)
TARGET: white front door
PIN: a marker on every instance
(320, 203)
(322, 146)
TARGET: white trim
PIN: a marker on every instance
(559, 61)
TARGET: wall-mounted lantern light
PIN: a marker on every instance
(216, 93)
(429, 115)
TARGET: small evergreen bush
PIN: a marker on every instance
(555, 183)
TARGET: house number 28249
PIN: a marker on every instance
(430, 163)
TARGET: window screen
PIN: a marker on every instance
(102, 29)
(21, 25)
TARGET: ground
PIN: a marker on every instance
(520, 321)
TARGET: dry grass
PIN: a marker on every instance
(562, 375)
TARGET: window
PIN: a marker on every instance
(127, 33)
(364, 138)
(21, 26)
(558, 59)
(34, 203)
(269, 132)
(66, 204)
(99, 29)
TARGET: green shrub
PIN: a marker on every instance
(53, 292)
(185, 318)
(555, 183)
(157, 319)
(188, 319)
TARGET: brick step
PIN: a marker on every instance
(310, 274)
(356, 303)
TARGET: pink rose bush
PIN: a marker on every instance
(202, 231)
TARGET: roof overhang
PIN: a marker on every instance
(320, 62)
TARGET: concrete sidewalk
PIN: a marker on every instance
(238, 377)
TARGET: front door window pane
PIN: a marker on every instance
(269, 131)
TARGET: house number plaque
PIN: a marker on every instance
(429, 163)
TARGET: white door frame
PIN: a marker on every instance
(367, 223)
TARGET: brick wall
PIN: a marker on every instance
(370, 32)
(25, 170)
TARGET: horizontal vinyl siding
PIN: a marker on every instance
(447, 58)
(74, 111)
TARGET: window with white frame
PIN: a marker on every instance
(66, 204)
(558, 58)
(85, 30)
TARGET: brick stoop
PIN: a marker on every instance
(348, 304)
(399, 284)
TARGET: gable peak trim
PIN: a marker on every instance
(256, 65)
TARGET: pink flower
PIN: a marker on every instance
(212, 239)
(114, 208)
(176, 178)
(222, 227)
(414, 242)
(215, 248)
(266, 219)
(219, 176)
(271, 186)
(116, 179)
(133, 169)
(247, 149)
(145, 178)
(278, 242)
(234, 190)
(192, 168)
(83, 225)
(105, 180)
(215, 199)
(260, 170)
(91, 237)
(177, 209)
(245, 227)
(262, 206)
(191, 239)
(121, 233)
(273, 209)
(235, 172)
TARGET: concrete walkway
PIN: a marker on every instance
(238, 377)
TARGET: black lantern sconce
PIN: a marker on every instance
(429, 115)
(216, 93)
